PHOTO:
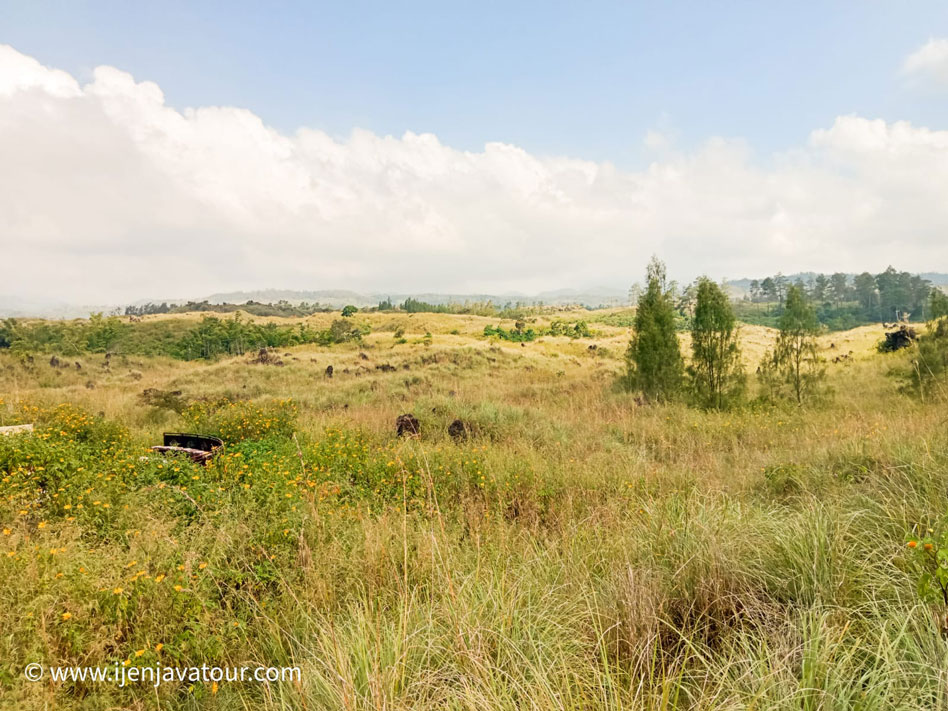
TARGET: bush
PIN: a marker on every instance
(238, 421)
(518, 334)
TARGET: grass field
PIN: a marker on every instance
(577, 551)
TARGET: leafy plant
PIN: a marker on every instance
(794, 367)
(518, 334)
(653, 358)
(717, 377)
(237, 421)
(931, 553)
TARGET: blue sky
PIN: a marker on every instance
(580, 79)
(465, 147)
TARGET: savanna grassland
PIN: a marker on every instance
(579, 550)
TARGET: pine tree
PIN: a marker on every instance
(653, 359)
(717, 377)
(794, 366)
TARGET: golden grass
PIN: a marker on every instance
(581, 552)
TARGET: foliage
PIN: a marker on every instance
(238, 421)
(254, 308)
(929, 369)
(210, 338)
(717, 376)
(578, 329)
(349, 310)
(931, 555)
(842, 302)
(622, 319)
(575, 551)
(794, 367)
(653, 358)
(518, 334)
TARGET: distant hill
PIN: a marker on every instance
(16, 307)
(599, 296)
(592, 297)
(330, 297)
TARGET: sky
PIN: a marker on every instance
(158, 150)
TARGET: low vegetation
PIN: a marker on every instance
(689, 544)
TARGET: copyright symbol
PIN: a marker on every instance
(33, 672)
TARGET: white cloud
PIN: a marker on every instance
(931, 59)
(107, 194)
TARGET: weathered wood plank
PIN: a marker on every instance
(15, 429)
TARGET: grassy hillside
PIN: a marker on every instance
(576, 551)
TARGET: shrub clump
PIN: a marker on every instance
(238, 421)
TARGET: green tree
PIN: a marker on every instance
(717, 378)
(349, 310)
(794, 365)
(929, 371)
(865, 285)
(839, 288)
(820, 288)
(653, 358)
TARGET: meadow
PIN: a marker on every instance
(577, 549)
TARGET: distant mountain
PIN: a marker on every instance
(11, 306)
(600, 296)
(329, 297)
(17, 307)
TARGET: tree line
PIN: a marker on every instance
(209, 338)
(792, 369)
(888, 296)
(254, 308)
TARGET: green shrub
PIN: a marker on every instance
(238, 421)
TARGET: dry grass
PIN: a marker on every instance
(579, 552)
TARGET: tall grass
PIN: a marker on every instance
(577, 552)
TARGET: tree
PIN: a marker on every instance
(349, 310)
(794, 365)
(653, 358)
(717, 377)
(635, 292)
(865, 286)
(839, 288)
(754, 290)
(820, 288)
(780, 286)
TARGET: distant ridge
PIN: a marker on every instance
(599, 296)
(592, 297)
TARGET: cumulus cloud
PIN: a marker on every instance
(929, 60)
(108, 194)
